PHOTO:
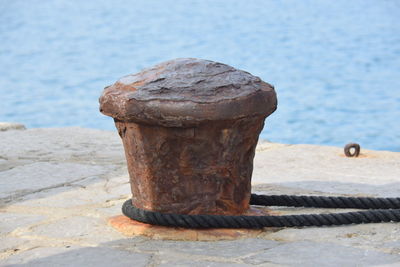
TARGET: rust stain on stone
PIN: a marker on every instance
(130, 227)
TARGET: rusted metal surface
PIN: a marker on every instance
(189, 129)
(187, 92)
(352, 150)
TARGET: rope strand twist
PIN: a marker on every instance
(380, 210)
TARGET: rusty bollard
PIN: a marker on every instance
(189, 129)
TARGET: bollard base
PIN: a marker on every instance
(129, 227)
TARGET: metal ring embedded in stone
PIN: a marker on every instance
(348, 147)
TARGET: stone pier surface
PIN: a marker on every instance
(58, 188)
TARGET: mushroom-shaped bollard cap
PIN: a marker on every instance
(190, 128)
(186, 92)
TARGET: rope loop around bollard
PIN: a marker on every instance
(380, 210)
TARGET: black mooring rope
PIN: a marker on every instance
(381, 210)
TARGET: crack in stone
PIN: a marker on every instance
(194, 257)
(153, 261)
(17, 196)
(15, 251)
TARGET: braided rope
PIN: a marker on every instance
(325, 202)
(383, 210)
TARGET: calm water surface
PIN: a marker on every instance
(335, 64)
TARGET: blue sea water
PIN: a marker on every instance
(335, 64)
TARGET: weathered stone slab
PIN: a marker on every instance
(307, 253)
(70, 195)
(62, 144)
(11, 221)
(43, 175)
(10, 244)
(220, 249)
(6, 126)
(195, 263)
(324, 169)
(39, 231)
(77, 256)
(63, 228)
